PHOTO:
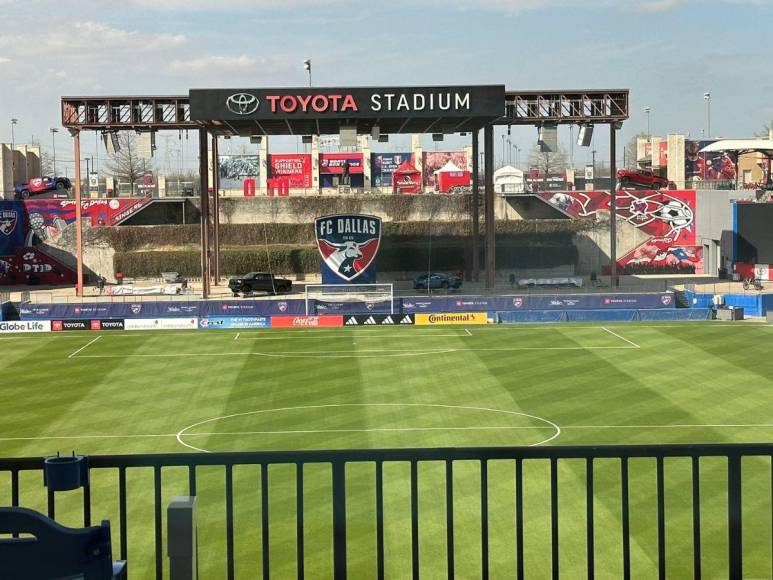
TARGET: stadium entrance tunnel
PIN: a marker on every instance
(364, 425)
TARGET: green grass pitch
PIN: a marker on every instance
(119, 392)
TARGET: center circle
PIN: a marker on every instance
(400, 420)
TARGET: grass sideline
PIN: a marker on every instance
(152, 392)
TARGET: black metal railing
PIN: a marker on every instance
(446, 460)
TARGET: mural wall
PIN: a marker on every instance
(25, 224)
(668, 218)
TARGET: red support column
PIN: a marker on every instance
(216, 210)
(76, 145)
(204, 198)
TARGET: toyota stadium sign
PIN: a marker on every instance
(360, 102)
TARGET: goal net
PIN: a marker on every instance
(348, 297)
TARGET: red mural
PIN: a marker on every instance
(667, 217)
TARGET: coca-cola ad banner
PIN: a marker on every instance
(295, 168)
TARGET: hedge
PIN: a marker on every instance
(133, 238)
(446, 255)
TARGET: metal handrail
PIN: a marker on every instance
(340, 459)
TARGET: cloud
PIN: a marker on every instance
(213, 64)
(4, 60)
(217, 5)
(656, 5)
(83, 37)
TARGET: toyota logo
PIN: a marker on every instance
(242, 103)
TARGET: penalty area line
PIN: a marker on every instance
(613, 333)
(85, 346)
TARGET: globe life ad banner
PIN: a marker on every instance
(20, 326)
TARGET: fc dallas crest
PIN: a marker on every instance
(8, 219)
(348, 243)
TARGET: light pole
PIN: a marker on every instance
(503, 150)
(647, 110)
(307, 66)
(14, 122)
(54, 131)
(707, 98)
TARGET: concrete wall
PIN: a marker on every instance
(714, 227)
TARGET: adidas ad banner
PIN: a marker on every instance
(13, 326)
(460, 318)
(379, 320)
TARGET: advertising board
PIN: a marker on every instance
(220, 322)
(379, 320)
(161, 323)
(113, 324)
(307, 321)
(14, 326)
(63, 325)
(445, 318)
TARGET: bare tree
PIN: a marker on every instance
(126, 164)
(766, 129)
(548, 163)
(631, 150)
(46, 163)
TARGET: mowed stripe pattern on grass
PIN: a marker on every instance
(696, 374)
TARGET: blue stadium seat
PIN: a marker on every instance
(43, 548)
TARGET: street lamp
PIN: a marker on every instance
(14, 122)
(647, 110)
(54, 131)
(503, 150)
(307, 66)
(707, 98)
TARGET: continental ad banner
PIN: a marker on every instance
(460, 318)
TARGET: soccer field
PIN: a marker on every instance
(386, 387)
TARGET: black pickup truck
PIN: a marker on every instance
(259, 282)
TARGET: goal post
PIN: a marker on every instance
(351, 293)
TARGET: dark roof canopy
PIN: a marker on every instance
(310, 111)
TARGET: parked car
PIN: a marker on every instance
(643, 178)
(40, 185)
(437, 280)
(259, 282)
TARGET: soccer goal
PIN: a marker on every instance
(368, 294)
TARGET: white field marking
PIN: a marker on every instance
(293, 354)
(351, 330)
(236, 433)
(46, 437)
(44, 335)
(359, 354)
(372, 430)
(467, 330)
(347, 336)
(675, 426)
(238, 334)
(72, 354)
(613, 333)
(183, 431)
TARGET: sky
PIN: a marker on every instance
(667, 52)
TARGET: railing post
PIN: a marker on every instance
(181, 538)
(734, 517)
(339, 520)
